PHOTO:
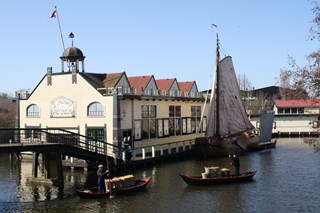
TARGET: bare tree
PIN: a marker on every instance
(305, 80)
(295, 82)
(244, 82)
(5, 96)
(315, 28)
(7, 111)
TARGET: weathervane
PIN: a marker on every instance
(71, 35)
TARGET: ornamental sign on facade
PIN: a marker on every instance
(62, 107)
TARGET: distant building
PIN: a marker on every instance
(294, 107)
(296, 117)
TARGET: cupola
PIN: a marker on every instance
(72, 56)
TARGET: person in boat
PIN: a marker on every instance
(123, 148)
(236, 164)
(101, 178)
(247, 134)
(128, 149)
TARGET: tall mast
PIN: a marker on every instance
(217, 92)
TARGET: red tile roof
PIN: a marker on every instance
(139, 83)
(185, 86)
(297, 103)
(165, 84)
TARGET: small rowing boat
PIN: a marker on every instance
(199, 180)
(139, 184)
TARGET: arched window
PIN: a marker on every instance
(33, 111)
(95, 109)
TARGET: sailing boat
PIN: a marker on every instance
(229, 130)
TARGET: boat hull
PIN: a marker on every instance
(264, 146)
(222, 148)
(199, 181)
(92, 192)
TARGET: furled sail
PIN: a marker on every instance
(226, 104)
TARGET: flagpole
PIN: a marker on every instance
(60, 28)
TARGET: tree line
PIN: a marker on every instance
(7, 111)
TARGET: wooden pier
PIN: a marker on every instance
(59, 148)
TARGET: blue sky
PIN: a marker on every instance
(167, 38)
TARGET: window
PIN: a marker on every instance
(287, 110)
(32, 135)
(174, 120)
(195, 118)
(280, 110)
(96, 145)
(33, 111)
(144, 111)
(301, 110)
(95, 109)
(294, 110)
(148, 123)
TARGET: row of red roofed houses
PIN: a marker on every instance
(149, 86)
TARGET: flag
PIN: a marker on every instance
(53, 14)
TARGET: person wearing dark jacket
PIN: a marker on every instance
(101, 179)
(128, 149)
(236, 164)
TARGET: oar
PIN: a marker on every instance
(109, 182)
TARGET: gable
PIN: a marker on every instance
(174, 90)
(139, 83)
(151, 88)
(123, 86)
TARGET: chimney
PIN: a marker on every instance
(49, 76)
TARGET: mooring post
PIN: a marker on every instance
(59, 169)
(46, 165)
(35, 164)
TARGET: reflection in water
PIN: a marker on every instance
(287, 181)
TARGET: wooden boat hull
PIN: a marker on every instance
(222, 148)
(92, 192)
(199, 181)
(265, 145)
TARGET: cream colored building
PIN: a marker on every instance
(112, 106)
(296, 117)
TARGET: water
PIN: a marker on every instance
(288, 180)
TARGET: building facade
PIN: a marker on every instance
(112, 106)
(296, 117)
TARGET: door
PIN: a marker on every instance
(96, 145)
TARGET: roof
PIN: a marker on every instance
(139, 83)
(72, 54)
(96, 80)
(185, 86)
(109, 80)
(297, 103)
(165, 84)
(112, 79)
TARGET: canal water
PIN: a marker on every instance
(287, 180)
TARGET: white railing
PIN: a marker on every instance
(160, 150)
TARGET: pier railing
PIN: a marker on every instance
(161, 150)
(30, 136)
(55, 135)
